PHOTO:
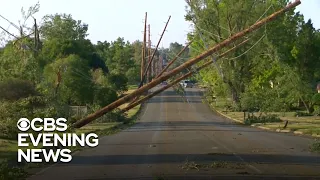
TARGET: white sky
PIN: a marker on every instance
(109, 19)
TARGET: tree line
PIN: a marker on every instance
(43, 74)
(278, 70)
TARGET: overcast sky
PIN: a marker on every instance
(109, 19)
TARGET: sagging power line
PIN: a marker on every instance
(179, 79)
(185, 65)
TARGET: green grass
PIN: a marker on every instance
(306, 124)
(95, 127)
(132, 87)
(315, 147)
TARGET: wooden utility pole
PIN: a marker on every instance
(154, 52)
(179, 79)
(174, 59)
(37, 42)
(149, 53)
(143, 48)
(159, 63)
(183, 66)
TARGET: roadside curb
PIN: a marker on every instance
(261, 127)
(269, 129)
(298, 132)
(241, 122)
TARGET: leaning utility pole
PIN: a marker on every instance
(154, 52)
(179, 79)
(174, 59)
(183, 66)
(143, 48)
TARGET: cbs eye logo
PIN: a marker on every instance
(23, 124)
(45, 124)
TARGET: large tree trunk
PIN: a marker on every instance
(234, 93)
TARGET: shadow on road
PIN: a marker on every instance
(173, 93)
(174, 100)
(269, 159)
(182, 123)
(211, 177)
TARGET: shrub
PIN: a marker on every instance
(316, 110)
(104, 96)
(315, 147)
(316, 99)
(14, 89)
(113, 116)
(301, 114)
(30, 107)
(263, 119)
(11, 173)
(118, 82)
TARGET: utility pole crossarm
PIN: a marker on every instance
(187, 64)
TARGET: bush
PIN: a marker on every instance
(104, 96)
(316, 110)
(301, 114)
(133, 75)
(270, 118)
(11, 173)
(73, 119)
(10, 113)
(30, 107)
(119, 82)
(14, 89)
(8, 129)
(316, 99)
(113, 116)
(315, 147)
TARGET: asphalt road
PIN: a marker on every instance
(175, 139)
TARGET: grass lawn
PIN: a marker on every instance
(307, 124)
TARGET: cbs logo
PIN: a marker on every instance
(46, 124)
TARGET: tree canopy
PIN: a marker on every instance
(277, 70)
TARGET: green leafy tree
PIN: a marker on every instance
(76, 84)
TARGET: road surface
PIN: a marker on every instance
(175, 139)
